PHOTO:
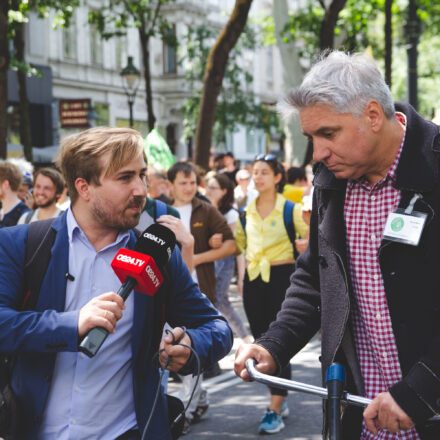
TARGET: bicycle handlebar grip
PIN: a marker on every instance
(335, 387)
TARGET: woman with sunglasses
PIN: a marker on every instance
(269, 263)
(220, 193)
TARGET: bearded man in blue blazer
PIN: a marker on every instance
(65, 394)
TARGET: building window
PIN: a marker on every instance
(169, 54)
(95, 45)
(69, 41)
(254, 141)
(120, 52)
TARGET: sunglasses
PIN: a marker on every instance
(265, 157)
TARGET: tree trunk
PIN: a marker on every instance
(293, 74)
(213, 78)
(25, 123)
(327, 31)
(388, 41)
(4, 66)
(144, 39)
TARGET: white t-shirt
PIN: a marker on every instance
(185, 212)
(34, 217)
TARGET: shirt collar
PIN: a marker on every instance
(74, 232)
(279, 204)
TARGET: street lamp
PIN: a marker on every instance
(131, 77)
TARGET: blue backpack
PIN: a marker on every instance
(288, 223)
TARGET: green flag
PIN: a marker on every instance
(158, 152)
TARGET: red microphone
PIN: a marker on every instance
(138, 269)
(142, 268)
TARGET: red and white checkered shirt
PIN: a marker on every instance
(366, 210)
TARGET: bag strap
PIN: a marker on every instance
(160, 208)
(28, 217)
(41, 237)
(242, 217)
(289, 224)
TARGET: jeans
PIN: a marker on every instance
(224, 271)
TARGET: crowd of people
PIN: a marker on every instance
(348, 268)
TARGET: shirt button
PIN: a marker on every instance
(93, 287)
(378, 316)
(73, 422)
(83, 355)
(76, 389)
(384, 354)
(373, 237)
(375, 277)
(373, 198)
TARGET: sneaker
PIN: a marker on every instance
(271, 423)
(199, 412)
(186, 426)
(284, 411)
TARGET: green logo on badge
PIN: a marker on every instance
(397, 224)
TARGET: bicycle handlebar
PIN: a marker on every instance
(292, 385)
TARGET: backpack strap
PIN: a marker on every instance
(160, 208)
(242, 217)
(41, 237)
(289, 224)
(28, 217)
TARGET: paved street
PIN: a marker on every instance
(237, 407)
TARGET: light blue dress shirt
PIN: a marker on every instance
(92, 398)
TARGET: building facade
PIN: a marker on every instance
(77, 64)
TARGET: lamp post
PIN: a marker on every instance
(130, 76)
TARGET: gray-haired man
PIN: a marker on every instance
(369, 277)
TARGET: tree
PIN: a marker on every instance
(295, 145)
(115, 17)
(13, 16)
(331, 15)
(237, 104)
(213, 78)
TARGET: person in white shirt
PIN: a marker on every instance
(48, 187)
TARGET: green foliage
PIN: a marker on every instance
(237, 104)
(351, 31)
(115, 17)
(18, 14)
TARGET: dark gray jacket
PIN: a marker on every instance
(320, 293)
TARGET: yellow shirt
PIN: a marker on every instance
(266, 240)
(294, 193)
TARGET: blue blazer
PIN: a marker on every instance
(36, 336)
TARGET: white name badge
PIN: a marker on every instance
(405, 228)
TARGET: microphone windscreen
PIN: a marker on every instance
(157, 241)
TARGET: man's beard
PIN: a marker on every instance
(118, 220)
(47, 204)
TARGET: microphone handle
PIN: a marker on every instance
(96, 336)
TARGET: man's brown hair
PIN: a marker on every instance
(52, 174)
(81, 153)
(11, 173)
